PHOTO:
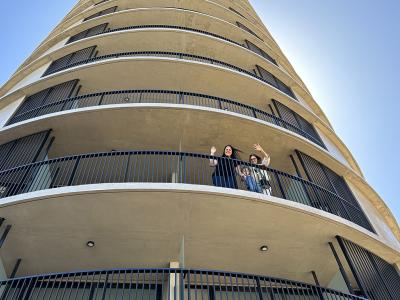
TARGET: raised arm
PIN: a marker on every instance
(213, 162)
(266, 159)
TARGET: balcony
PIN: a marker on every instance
(67, 62)
(168, 167)
(30, 111)
(158, 284)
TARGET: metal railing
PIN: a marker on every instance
(172, 167)
(159, 26)
(167, 284)
(158, 96)
(174, 55)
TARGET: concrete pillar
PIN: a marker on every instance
(174, 282)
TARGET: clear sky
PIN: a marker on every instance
(347, 53)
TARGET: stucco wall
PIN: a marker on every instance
(32, 77)
(333, 150)
(56, 47)
(7, 112)
(376, 219)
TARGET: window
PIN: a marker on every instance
(259, 51)
(291, 117)
(88, 33)
(275, 82)
(70, 59)
(240, 25)
(236, 12)
(101, 13)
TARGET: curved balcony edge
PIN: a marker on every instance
(161, 283)
(188, 29)
(107, 59)
(175, 167)
(160, 96)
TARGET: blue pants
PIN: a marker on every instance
(225, 181)
(252, 185)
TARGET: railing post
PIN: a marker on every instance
(127, 167)
(259, 291)
(280, 185)
(71, 178)
(103, 297)
(320, 295)
(219, 103)
(254, 112)
(101, 99)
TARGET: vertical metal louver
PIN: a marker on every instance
(102, 13)
(15, 155)
(44, 102)
(348, 206)
(275, 82)
(377, 278)
(259, 51)
(298, 121)
(88, 33)
(240, 25)
(22, 151)
(69, 60)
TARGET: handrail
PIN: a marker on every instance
(159, 284)
(159, 96)
(182, 28)
(173, 167)
(175, 55)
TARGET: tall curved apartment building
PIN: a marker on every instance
(108, 189)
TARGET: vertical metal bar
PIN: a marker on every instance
(351, 265)
(103, 297)
(71, 178)
(295, 166)
(341, 269)
(280, 185)
(16, 267)
(320, 295)
(254, 112)
(5, 234)
(379, 273)
(259, 291)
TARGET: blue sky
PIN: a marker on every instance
(348, 55)
(347, 52)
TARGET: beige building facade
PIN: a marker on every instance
(108, 189)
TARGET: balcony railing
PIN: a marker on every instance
(271, 80)
(158, 96)
(167, 284)
(172, 168)
(101, 29)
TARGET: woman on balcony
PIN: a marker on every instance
(226, 167)
(257, 179)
